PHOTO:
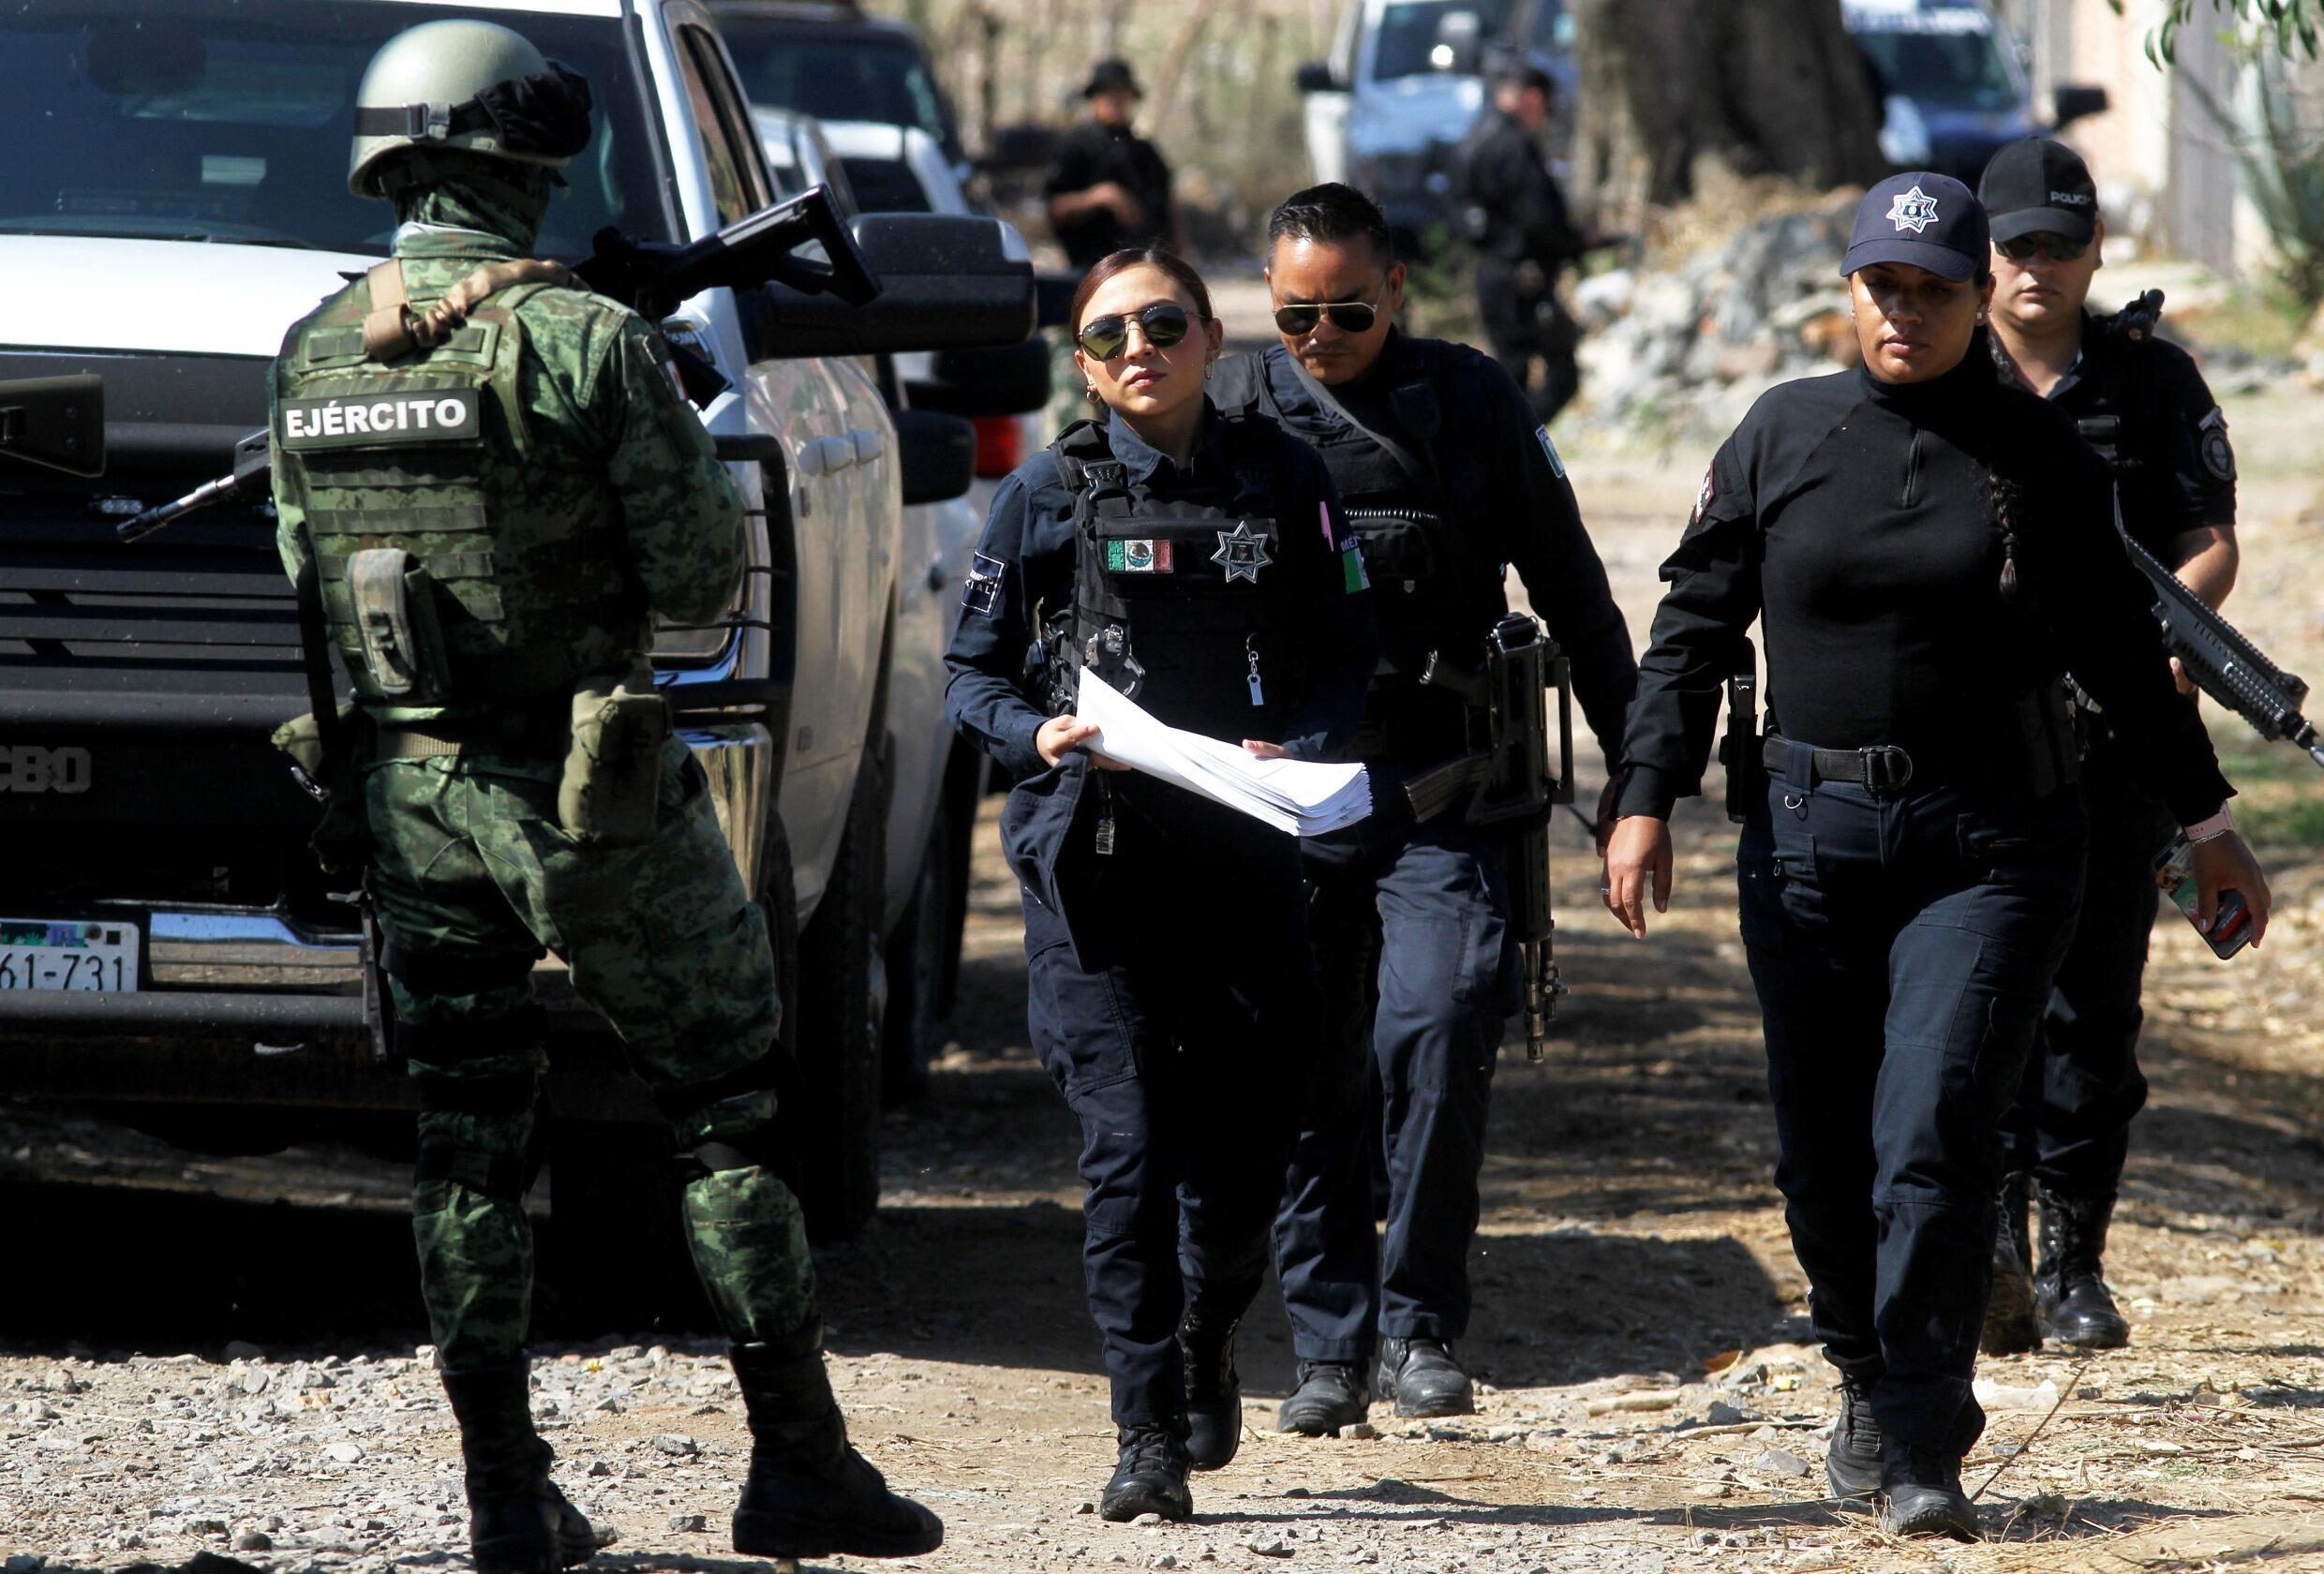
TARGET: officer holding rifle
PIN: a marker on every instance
(2141, 402)
(1449, 476)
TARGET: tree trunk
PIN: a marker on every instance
(1682, 92)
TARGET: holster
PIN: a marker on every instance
(1747, 774)
(403, 645)
(611, 791)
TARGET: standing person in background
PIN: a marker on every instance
(1930, 549)
(1448, 477)
(1200, 565)
(2142, 404)
(1516, 218)
(1110, 189)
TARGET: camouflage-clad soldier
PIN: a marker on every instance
(493, 482)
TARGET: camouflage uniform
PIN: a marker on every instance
(475, 876)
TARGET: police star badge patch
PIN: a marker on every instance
(1913, 209)
(1241, 553)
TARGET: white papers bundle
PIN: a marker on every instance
(1297, 798)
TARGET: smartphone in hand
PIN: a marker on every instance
(2230, 926)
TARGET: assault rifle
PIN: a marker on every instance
(2217, 658)
(2220, 661)
(652, 277)
(1513, 777)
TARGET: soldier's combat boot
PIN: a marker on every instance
(1920, 1493)
(1214, 1389)
(2010, 1326)
(1423, 1379)
(809, 1495)
(1853, 1460)
(518, 1522)
(1331, 1395)
(1149, 1478)
(2070, 1291)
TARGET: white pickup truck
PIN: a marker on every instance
(188, 202)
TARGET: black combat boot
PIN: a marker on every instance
(518, 1522)
(1853, 1460)
(1149, 1478)
(1331, 1395)
(810, 1494)
(1213, 1390)
(2070, 1293)
(1423, 1379)
(2010, 1326)
(1920, 1491)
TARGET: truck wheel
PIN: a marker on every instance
(843, 997)
(916, 955)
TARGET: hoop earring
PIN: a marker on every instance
(1091, 394)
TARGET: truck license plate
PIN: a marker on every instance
(67, 954)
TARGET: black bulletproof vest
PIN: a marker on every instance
(1432, 591)
(1183, 597)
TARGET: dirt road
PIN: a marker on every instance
(1647, 1405)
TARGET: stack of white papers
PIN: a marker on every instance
(1297, 798)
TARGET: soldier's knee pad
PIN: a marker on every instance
(453, 970)
(505, 1099)
(727, 1122)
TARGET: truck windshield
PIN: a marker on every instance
(860, 76)
(231, 121)
(1960, 67)
(1408, 34)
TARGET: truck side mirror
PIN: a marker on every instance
(946, 281)
(1013, 380)
(1315, 76)
(939, 455)
(2072, 101)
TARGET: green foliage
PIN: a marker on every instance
(2282, 160)
(2277, 805)
(2295, 23)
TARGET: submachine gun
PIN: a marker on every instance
(652, 277)
(2218, 659)
(1512, 776)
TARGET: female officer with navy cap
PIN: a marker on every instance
(1929, 550)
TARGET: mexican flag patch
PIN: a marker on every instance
(1137, 557)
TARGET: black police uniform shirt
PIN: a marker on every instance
(1026, 561)
(1092, 152)
(1498, 482)
(1520, 215)
(1855, 518)
(2173, 464)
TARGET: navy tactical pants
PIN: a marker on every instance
(2070, 1126)
(1411, 934)
(1181, 1044)
(1903, 947)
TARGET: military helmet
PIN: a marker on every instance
(434, 86)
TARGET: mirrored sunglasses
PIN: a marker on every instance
(1164, 324)
(1348, 317)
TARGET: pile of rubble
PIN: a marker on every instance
(1688, 348)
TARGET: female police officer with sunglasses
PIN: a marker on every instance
(1928, 549)
(1201, 566)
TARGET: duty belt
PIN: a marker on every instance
(1880, 767)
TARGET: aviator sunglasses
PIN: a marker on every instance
(1164, 324)
(2054, 247)
(1348, 317)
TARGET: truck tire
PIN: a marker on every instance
(834, 1115)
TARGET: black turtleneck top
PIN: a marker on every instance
(1860, 521)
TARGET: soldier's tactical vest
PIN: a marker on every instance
(432, 453)
(1431, 591)
(1185, 602)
